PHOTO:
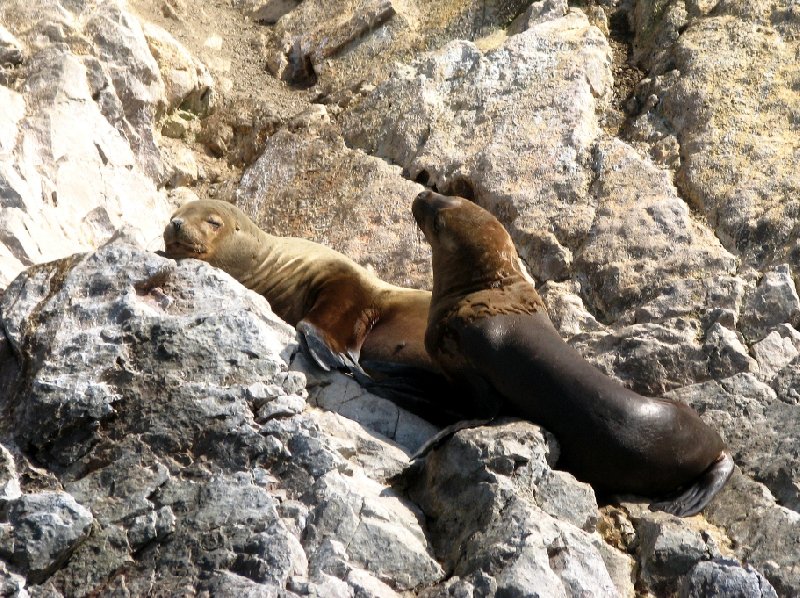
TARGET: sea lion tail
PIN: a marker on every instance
(693, 499)
(443, 435)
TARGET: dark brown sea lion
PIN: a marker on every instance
(344, 312)
(488, 328)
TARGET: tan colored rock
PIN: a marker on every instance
(309, 184)
(78, 158)
(727, 88)
(188, 84)
(512, 127)
(338, 42)
(643, 237)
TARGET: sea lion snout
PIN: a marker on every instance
(428, 203)
(176, 223)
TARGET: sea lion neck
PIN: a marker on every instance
(250, 250)
(456, 275)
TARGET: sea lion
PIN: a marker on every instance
(344, 312)
(488, 328)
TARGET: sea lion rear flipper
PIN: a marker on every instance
(440, 437)
(694, 499)
(324, 356)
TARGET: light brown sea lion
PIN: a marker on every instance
(344, 312)
(489, 328)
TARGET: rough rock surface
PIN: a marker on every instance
(80, 102)
(152, 382)
(161, 431)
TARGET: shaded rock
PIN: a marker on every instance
(238, 130)
(11, 50)
(48, 527)
(725, 578)
(726, 353)
(787, 383)
(303, 185)
(768, 537)
(9, 479)
(668, 550)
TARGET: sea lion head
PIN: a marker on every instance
(471, 249)
(208, 230)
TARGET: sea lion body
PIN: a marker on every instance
(344, 312)
(488, 329)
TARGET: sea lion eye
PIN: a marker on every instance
(214, 222)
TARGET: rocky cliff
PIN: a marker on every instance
(161, 431)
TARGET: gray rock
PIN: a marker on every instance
(152, 415)
(725, 578)
(498, 540)
(776, 350)
(774, 301)
(668, 550)
(48, 528)
(376, 534)
(155, 525)
(767, 537)
(343, 395)
(12, 584)
(761, 432)
(726, 353)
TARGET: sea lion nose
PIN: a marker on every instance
(424, 195)
(176, 223)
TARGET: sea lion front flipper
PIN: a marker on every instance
(325, 357)
(695, 498)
